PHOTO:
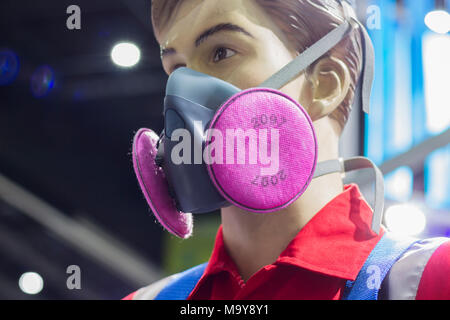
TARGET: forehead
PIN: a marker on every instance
(192, 17)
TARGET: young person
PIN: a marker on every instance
(317, 246)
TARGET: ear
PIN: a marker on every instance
(328, 84)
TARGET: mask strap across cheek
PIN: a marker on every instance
(321, 47)
(353, 164)
(306, 58)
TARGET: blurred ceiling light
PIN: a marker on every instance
(31, 283)
(438, 21)
(125, 54)
(9, 66)
(42, 81)
(399, 184)
(405, 219)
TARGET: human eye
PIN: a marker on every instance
(222, 53)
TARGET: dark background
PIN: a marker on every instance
(72, 146)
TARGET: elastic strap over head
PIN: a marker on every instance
(325, 44)
(306, 58)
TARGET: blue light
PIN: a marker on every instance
(399, 136)
(9, 67)
(78, 95)
(375, 124)
(437, 179)
(42, 81)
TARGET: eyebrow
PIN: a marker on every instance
(205, 35)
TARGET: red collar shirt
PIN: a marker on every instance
(326, 253)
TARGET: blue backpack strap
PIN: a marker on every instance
(182, 286)
(385, 254)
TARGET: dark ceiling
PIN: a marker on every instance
(71, 148)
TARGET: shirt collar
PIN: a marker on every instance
(336, 242)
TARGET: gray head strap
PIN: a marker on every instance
(306, 58)
(358, 163)
(368, 67)
(318, 49)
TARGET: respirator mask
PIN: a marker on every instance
(255, 149)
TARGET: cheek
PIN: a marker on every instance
(276, 57)
(258, 67)
(253, 72)
(294, 88)
(249, 74)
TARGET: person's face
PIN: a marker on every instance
(234, 40)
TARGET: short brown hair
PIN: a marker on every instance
(303, 22)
